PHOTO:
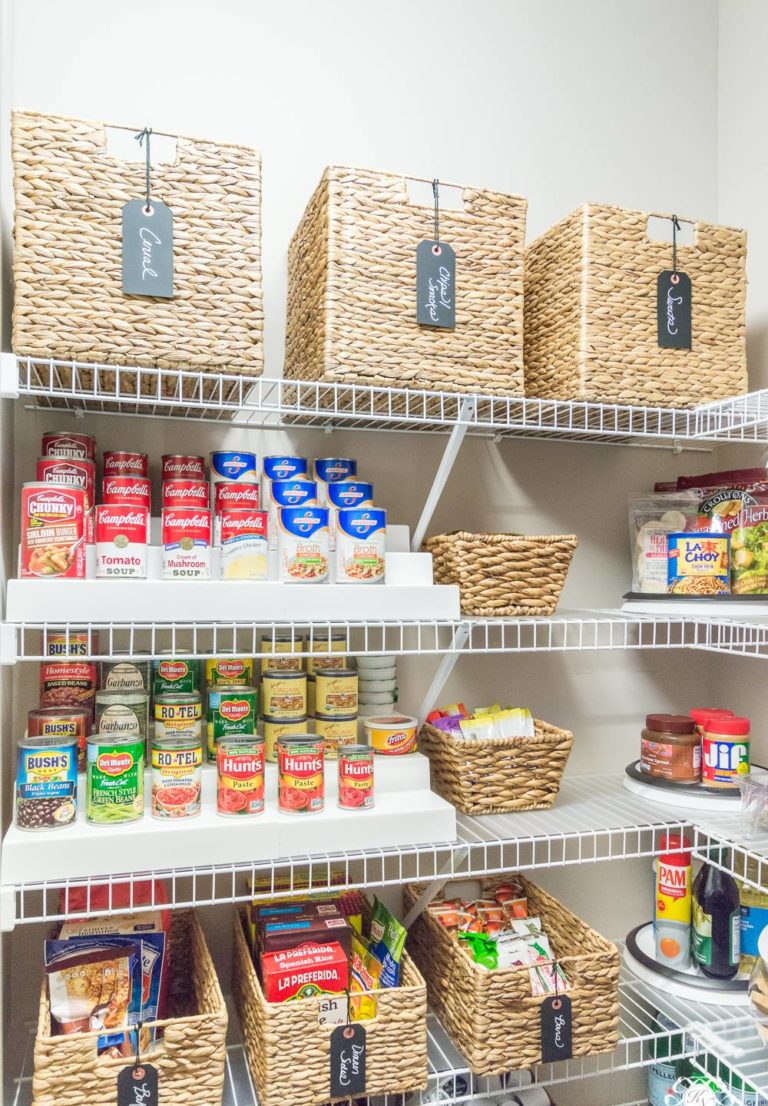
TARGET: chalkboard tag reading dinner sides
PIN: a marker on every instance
(556, 1029)
(137, 1086)
(435, 278)
(348, 1060)
(147, 241)
(673, 302)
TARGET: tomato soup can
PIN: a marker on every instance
(279, 642)
(343, 496)
(179, 714)
(232, 496)
(337, 733)
(121, 542)
(355, 777)
(283, 694)
(185, 492)
(300, 774)
(231, 711)
(69, 643)
(302, 543)
(183, 466)
(69, 684)
(321, 646)
(288, 493)
(335, 692)
(228, 670)
(177, 775)
(52, 531)
(275, 728)
(176, 674)
(46, 782)
(240, 776)
(124, 462)
(131, 674)
(122, 714)
(284, 466)
(114, 784)
(331, 470)
(186, 543)
(62, 723)
(63, 443)
(244, 547)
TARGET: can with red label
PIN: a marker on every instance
(62, 722)
(183, 466)
(228, 495)
(300, 774)
(74, 472)
(69, 684)
(121, 462)
(52, 531)
(186, 543)
(121, 541)
(63, 443)
(355, 777)
(240, 775)
(187, 492)
(69, 643)
(135, 491)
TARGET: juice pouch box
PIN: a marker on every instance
(749, 550)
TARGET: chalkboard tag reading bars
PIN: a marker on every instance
(435, 277)
(673, 302)
(556, 1029)
(147, 241)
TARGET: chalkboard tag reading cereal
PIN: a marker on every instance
(347, 1055)
(556, 1029)
(147, 239)
(137, 1085)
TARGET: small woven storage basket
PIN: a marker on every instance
(590, 312)
(289, 1052)
(497, 775)
(501, 575)
(352, 288)
(491, 1015)
(189, 1058)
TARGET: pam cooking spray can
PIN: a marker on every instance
(672, 917)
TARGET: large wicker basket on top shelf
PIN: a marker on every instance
(497, 775)
(503, 575)
(591, 321)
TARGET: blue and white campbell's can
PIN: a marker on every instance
(346, 493)
(288, 493)
(361, 535)
(302, 544)
(234, 466)
(330, 470)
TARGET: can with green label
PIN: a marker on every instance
(171, 674)
(231, 711)
(114, 782)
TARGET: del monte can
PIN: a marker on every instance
(231, 711)
(175, 674)
(114, 786)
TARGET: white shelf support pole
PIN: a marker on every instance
(9, 376)
(447, 872)
(8, 646)
(444, 669)
(453, 445)
(7, 909)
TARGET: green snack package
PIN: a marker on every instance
(482, 948)
(387, 941)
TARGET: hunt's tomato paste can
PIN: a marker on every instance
(183, 466)
(121, 541)
(300, 774)
(355, 777)
(121, 462)
(186, 543)
(52, 531)
(229, 496)
(62, 443)
(240, 775)
(74, 472)
(185, 492)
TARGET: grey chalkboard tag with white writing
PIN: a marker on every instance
(556, 1029)
(348, 1060)
(147, 249)
(137, 1086)
(673, 309)
(435, 284)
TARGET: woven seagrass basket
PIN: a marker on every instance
(502, 575)
(352, 289)
(69, 302)
(189, 1058)
(491, 1015)
(289, 1052)
(590, 312)
(497, 775)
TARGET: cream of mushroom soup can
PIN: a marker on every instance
(186, 543)
(121, 542)
(302, 545)
(361, 538)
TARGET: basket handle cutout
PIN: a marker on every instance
(120, 144)
(658, 228)
(418, 192)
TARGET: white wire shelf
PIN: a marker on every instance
(271, 402)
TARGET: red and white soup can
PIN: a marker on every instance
(183, 466)
(52, 531)
(228, 496)
(63, 443)
(186, 543)
(128, 491)
(123, 462)
(185, 493)
(121, 541)
(74, 472)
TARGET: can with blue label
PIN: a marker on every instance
(46, 782)
(298, 492)
(232, 466)
(344, 494)
(361, 535)
(330, 470)
(302, 544)
(282, 467)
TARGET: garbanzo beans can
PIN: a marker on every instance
(337, 733)
(179, 714)
(231, 712)
(177, 775)
(300, 774)
(275, 728)
(283, 694)
(335, 692)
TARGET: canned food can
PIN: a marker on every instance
(361, 538)
(177, 775)
(228, 670)
(231, 711)
(122, 714)
(240, 776)
(302, 543)
(52, 531)
(186, 543)
(336, 692)
(176, 674)
(284, 694)
(233, 467)
(69, 684)
(355, 777)
(275, 728)
(330, 470)
(124, 462)
(131, 674)
(229, 496)
(133, 491)
(391, 734)
(121, 542)
(179, 714)
(336, 733)
(71, 472)
(244, 553)
(282, 642)
(342, 496)
(46, 782)
(282, 466)
(69, 643)
(63, 443)
(320, 648)
(62, 723)
(183, 466)
(311, 695)
(288, 493)
(114, 783)
(185, 492)
(300, 774)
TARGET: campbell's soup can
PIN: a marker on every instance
(288, 493)
(121, 462)
(244, 548)
(186, 543)
(186, 492)
(229, 496)
(63, 443)
(52, 531)
(121, 542)
(232, 467)
(74, 472)
(282, 467)
(183, 466)
(133, 490)
(300, 774)
(330, 470)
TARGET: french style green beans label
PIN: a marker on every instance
(115, 782)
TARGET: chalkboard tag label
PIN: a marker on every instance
(435, 284)
(673, 309)
(348, 1061)
(147, 249)
(137, 1086)
(556, 1029)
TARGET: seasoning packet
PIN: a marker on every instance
(387, 942)
(365, 976)
(652, 518)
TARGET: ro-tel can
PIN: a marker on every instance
(355, 777)
(69, 684)
(240, 776)
(282, 641)
(321, 646)
(69, 643)
(725, 751)
(275, 728)
(52, 531)
(244, 552)
(121, 542)
(131, 674)
(62, 723)
(186, 543)
(185, 492)
(698, 564)
(300, 774)
(672, 918)
(62, 443)
(229, 496)
(175, 674)
(177, 775)
(335, 692)
(46, 782)
(123, 462)
(183, 466)
(283, 694)
(232, 467)
(361, 538)
(114, 783)
(228, 670)
(122, 714)
(179, 714)
(283, 467)
(337, 733)
(302, 543)
(134, 491)
(330, 470)
(288, 493)
(231, 711)
(342, 496)
(72, 472)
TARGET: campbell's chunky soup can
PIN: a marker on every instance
(330, 470)
(288, 493)
(232, 467)
(283, 693)
(62, 723)
(186, 543)
(46, 782)
(63, 443)
(121, 542)
(361, 537)
(72, 472)
(176, 674)
(185, 492)
(356, 777)
(183, 466)
(232, 710)
(229, 496)
(124, 462)
(282, 466)
(177, 775)
(52, 531)
(300, 774)
(114, 784)
(240, 776)
(302, 544)
(244, 552)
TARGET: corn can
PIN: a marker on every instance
(228, 670)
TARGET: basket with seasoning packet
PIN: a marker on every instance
(493, 1014)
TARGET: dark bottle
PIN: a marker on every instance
(715, 939)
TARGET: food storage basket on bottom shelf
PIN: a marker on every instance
(497, 775)
(288, 1050)
(492, 1015)
(189, 1059)
(501, 575)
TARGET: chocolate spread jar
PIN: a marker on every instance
(670, 748)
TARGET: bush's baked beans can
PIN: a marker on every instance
(176, 765)
(275, 728)
(114, 784)
(232, 710)
(121, 542)
(244, 552)
(232, 467)
(134, 491)
(282, 641)
(361, 538)
(52, 531)
(131, 674)
(336, 733)
(300, 774)
(63, 443)
(185, 492)
(69, 684)
(330, 470)
(176, 674)
(227, 496)
(62, 722)
(302, 543)
(122, 714)
(69, 643)
(321, 646)
(240, 776)
(283, 694)
(355, 777)
(123, 462)
(228, 670)
(183, 466)
(186, 543)
(288, 493)
(72, 472)
(341, 496)
(179, 714)
(335, 692)
(280, 467)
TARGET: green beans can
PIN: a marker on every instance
(171, 674)
(231, 711)
(114, 783)
(122, 714)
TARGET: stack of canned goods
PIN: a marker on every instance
(301, 775)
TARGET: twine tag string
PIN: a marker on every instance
(436, 197)
(675, 228)
(140, 137)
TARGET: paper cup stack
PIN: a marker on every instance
(377, 685)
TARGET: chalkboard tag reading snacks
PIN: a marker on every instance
(147, 241)
(348, 1061)
(137, 1086)
(673, 302)
(435, 278)
(556, 1029)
